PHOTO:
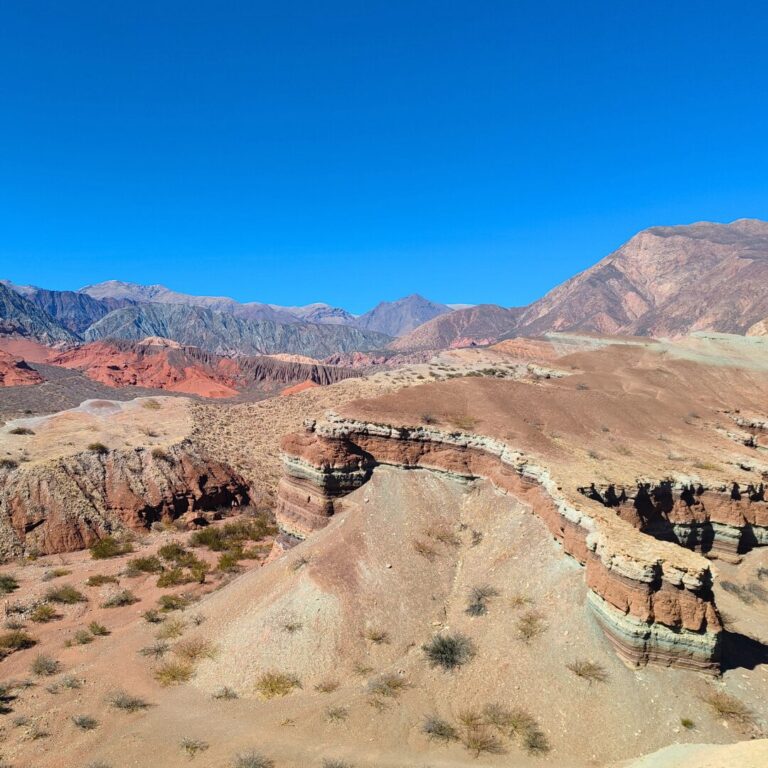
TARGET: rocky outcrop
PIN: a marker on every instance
(725, 520)
(396, 318)
(190, 370)
(69, 503)
(653, 599)
(16, 373)
(19, 316)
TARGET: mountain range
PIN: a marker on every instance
(664, 281)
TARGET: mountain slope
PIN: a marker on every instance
(19, 315)
(396, 318)
(665, 281)
(225, 333)
(481, 324)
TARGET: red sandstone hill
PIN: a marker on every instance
(16, 373)
(160, 364)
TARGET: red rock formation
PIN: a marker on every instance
(71, 502)
(653, 599)
(16, 373)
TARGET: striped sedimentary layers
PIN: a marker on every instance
(70, 502)
(723, 520)
(653, 598)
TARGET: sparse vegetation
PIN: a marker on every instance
(157, 650)
(21, 431)
(194, 650)
(171, 629)
(425, 549)
(530, 625)
(153, 616)
(327, 686)
(449, 651)
(729, 708)
(110, 547)
(66, 594)
(272, 684)
(82, 637)
(376, 636)
(7, 584)
(193, 747)
(299, 563)
(126, 702)
(336, 714)
(337, 764)
(15, 640)
(98, 448)
(687, 723)
(55, 573)
(252, 759)
(388, 686)
(478, 599)
(45, 666)
(170, 603)
(99, 580)
(98, 630)
(85, 722)
(43, 613)
(120, 599)
(438, 729)
(588, 670)
(225, 693)
(138, 565)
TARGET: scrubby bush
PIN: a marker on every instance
(252, 759)
(224, 693)
(99, 580)
(336, 714)
(125, 701)
(98, 630)
(171, 629)
(449, 651)
(729, 707)
(478, 600)
(42, 613)
(588, 670)
(327, 686)
(66, 594)
(21, 431)
(174, 673)
(530, 625)
(120, 599)
(85, 722)
(44, 666)
(55, 573)
(15, 640)
(389, 686)
(157, 650)
(194, 650)
(172, 603)
(7, 584)
(193, 747)
(438, 729)
(138, 565)
(110, 547)
(98, 448)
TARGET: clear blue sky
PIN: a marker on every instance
(476, 151)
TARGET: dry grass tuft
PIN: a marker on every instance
(729, 708)
(588, 670)
(174, 673)
(273, 684)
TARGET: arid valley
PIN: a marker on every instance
(240, 534)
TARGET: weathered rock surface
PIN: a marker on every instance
(70, 502)
(16, 373)
(653, 599)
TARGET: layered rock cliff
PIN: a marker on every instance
(653, 599)
(70, 502)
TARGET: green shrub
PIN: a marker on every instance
(110, 547)
(98, 448)
(66, 594)
(99, 580)
(98, 630)
(15, 640)
(172, 603)
(138, 565)
(174, 673)
(7, 584)
(43, 613)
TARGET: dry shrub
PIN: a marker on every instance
(174, 673)
(424, 548)
(729, 708)
(194, 650)
(272, 684)
(588, 670)
(449, 651)
(530, 625)
(327, 686)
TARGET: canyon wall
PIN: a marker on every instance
(653, 599)
(70, 502)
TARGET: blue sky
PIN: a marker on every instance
(349, 152)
